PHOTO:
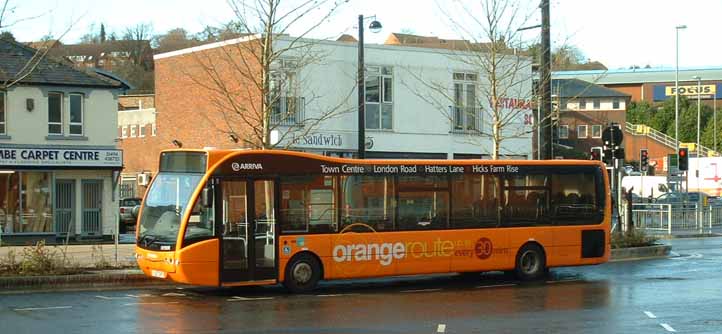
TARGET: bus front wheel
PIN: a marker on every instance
(530, 262)
(302, 273)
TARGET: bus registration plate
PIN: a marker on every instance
(158, 273)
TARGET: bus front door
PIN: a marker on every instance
(248, 234)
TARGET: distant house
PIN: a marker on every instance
(582, 110)
(107, 55)
(59, 163)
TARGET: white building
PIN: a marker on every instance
(58, 159)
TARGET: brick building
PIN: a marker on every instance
(317, 109)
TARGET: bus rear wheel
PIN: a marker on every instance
(530, 263)
(302, 273)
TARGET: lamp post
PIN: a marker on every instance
(699, 199)
(374, 26)
(676, 85)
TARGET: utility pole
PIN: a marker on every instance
(545, 78)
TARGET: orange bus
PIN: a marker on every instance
(249, 217)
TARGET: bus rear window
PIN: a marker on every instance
(183, 162)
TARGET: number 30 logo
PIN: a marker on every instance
(483, 248)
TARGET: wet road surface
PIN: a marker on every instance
(679, 294)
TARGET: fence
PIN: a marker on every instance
(659, 219)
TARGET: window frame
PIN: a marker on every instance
(463, 83)
(600, 131)
(597, 104)
(124, 131)
(70, 115)
(582, 104)
(61, 96)
(141, 130)
(133, 131)
(586, 131)
(559, 134)
(616, 104)
(383, 74)
(153, 130)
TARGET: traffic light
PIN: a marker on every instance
(643, 160)
(596, 153)
(683, 158)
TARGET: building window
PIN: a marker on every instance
(596, 131)
(615, 104)
(379, 97)
(153, 130)
(564, 131)
(123, 131)
(582, 104)
(133, 133)
(465, 114)
(597, 104)
(141, 130)
(286, 106)
(76, 114)
(26, 202)
(581, 131)
(2, 114)
(55, 113)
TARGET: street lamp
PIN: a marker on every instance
(374, 26)
(676, 85)
(699, 200)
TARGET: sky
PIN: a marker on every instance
(618, 33)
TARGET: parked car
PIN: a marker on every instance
(683, 199)
(127, 218)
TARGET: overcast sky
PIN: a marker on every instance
(618, 33)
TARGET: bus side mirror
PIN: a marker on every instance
(207, 197)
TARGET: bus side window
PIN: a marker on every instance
(368, 203)
(575, 200)
(526, 200)
(423, 203)
(308, 204)
(475, 201)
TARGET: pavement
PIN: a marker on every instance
(110, 265)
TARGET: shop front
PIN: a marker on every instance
(52, 194)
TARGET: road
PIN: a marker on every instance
(677, 294)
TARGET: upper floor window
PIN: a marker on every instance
(286, 105)
(596, 131)
(123, 131)
(153, 130)
(582, 104)
(379, 97)
(76, 114)
(564, 131)
(581, 131)
(2, 114)
(597, 104)
(615, 104)
(465, 115)
(55, 113)
(133, 132)
(141, 130)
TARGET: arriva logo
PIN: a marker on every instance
(385, 253)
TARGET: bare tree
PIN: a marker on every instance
(7, 21)
(490, 101)
(257, 80)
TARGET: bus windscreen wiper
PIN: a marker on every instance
(148, 240)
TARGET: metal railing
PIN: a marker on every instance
(288, 110)
(662, 138)
(677, 218)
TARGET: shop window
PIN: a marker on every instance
(367, 203)
(55, 113)
(26, 202)
(308, 204)
(76, 114)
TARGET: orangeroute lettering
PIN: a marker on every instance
(386, 253)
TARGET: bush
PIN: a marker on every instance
(37, 260)
(635, 238)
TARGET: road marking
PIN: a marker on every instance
(111, 298)
(42, 308)
(564, 281)
(441, 328)
(241, 299)
(338, 294)
(139, 296)
(668, 328)
(690, 256)
(650, 314)
(156, 303)
(173, 294)
(421, 290)
(493, 286)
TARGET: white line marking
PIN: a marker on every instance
(493, 286)
(668, 328)
(156, 303)
(139, 296)
(42, 308)
(240, 299)
(111, 298)
(421, 290)
(564, 281)
(650, 314)
(173, 294)
(441, 328)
